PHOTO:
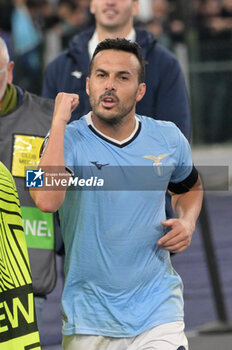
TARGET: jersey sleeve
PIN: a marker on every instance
(184, 165)
(69, 149)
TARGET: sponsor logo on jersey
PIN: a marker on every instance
(98, 165)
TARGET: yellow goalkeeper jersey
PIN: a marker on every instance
(18, 327)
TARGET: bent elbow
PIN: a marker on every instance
(47, 204)
(46, 207)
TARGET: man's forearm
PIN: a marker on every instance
(52, 161)
(188, 205)
(53, 156)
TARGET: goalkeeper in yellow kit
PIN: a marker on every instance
(18, 327)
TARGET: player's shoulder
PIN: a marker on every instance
(76, 127)
(164, 130)
(157, 124)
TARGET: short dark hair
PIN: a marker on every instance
(121, 45)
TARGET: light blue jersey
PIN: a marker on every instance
(119, 283)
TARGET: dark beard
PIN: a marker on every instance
(115, 120)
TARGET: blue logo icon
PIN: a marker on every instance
(34, 178)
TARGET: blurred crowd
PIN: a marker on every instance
(213, 22)
(36, 31)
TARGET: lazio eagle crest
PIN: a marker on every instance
(157, 164)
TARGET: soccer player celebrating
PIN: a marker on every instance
(121, 291)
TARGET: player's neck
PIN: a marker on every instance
(112, 33)
(118, 131)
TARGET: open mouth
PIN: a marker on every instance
(108, 101)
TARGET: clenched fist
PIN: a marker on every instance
(64, 106)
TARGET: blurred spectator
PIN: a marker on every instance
(48, 20)
(167, 22)
(43, 14)
(6, 9)
(74, 17)
(177, 22)
(159, 24)
(27, 40)
(227, 17)
(209, 23)
(145, 11)
(60, 22)
(213, 23)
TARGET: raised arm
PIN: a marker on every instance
(53, 156)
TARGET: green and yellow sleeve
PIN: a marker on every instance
(18, 327)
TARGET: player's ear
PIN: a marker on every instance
(92, 7)
(141, 92)
(87, 86)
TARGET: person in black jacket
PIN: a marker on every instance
(166, 97)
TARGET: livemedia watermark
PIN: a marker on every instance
(58, 180)
(123, 178)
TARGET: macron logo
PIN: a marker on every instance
(77, 74)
